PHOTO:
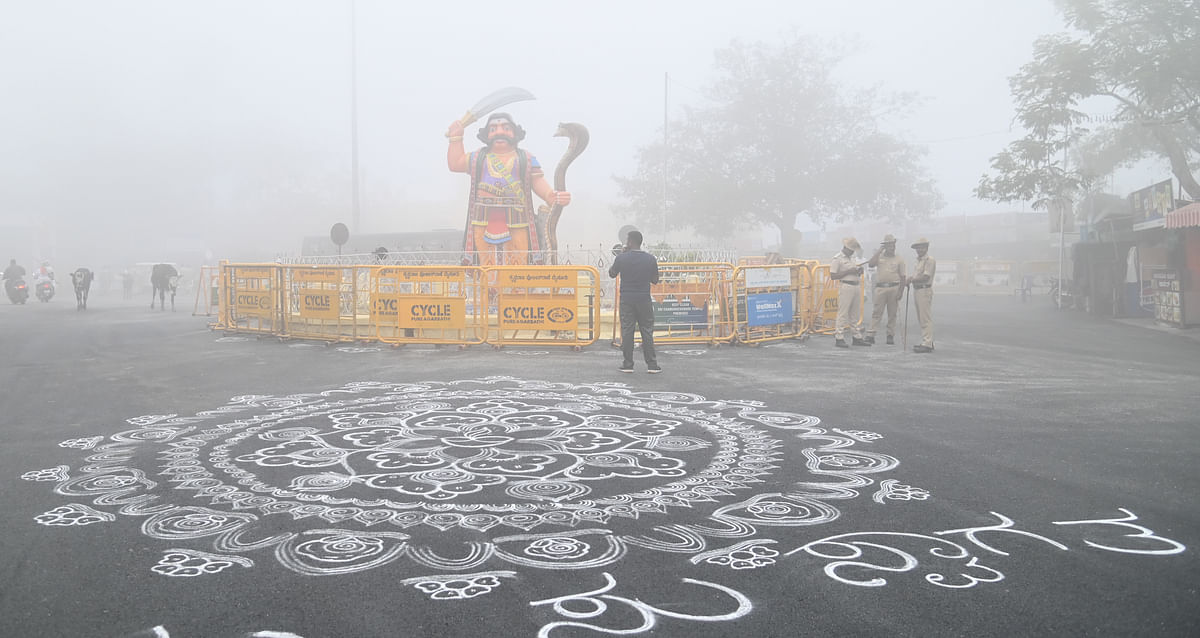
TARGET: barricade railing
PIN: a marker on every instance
(769, 302)
(543, 305)
(322, 302)
(808, 304)
(208, 292)
(694, 303)
(691, 304)
(444, 305)
(822, 313)
(251, 299)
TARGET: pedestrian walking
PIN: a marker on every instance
(922, 293)
(849, 277)
(889, 287)
(638, 271)
(127, 284)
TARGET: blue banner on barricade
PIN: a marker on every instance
(770, 308)
(768, 302)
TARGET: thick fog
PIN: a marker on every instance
(143, 131)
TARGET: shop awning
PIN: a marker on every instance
(1186, 217)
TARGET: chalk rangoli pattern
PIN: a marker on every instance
(187, 563)
(893, 490)
(868, 559)
(458, 586)
(593, 604)
(465, 476)
(58, 473)
(74, 514)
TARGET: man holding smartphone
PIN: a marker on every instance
(849, 277)
(638, 271)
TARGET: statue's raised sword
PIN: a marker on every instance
(493, 101)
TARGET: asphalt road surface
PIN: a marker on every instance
(1035, 475)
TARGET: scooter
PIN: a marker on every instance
(45, 290)
(17, 290)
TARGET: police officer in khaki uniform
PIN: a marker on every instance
(889, 286)
(849, 277)
(922, 293)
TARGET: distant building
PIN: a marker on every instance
(1128, 260)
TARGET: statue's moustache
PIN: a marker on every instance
(500, 138)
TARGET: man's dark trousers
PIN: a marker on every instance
(641, 314)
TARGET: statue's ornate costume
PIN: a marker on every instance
(501, 209)
(502, 227)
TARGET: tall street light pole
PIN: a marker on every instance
(1062, 227)
(666, 88)
(354, 114)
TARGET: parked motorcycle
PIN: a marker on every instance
(17, 291)
(44, 290)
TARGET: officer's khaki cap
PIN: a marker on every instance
(889, 239)
(921, 242)
(852, 244)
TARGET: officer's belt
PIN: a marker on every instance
(922, 286)
(886, 284)
(852, 283)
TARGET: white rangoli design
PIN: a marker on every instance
(466, 476)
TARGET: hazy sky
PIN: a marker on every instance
(200, 117)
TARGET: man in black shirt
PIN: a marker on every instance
(638, 270)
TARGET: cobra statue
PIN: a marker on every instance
(547, 217)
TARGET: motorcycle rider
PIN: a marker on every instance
(45, 276)
(45, 272)
(12, 274)
(14, 270)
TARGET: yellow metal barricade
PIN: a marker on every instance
(807, 305)
(768, 302)
(321, 303)
(251, 298)
(543, 305)
(691, 304)
(823, 314)
(428, 304)
(208, 292)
